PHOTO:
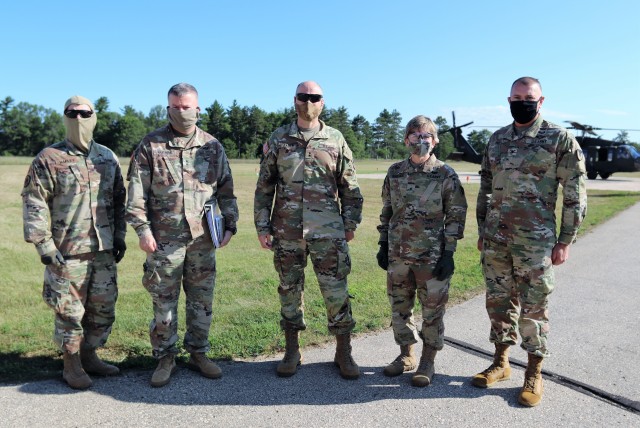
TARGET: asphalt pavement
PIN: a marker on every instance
(591, 379)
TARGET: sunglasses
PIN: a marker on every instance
(314, 98)
(72, 114)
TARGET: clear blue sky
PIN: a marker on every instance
(418, 57)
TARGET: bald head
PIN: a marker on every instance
(309, 87)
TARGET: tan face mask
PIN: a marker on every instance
(309, 111)
(80, 131)
(183, 120)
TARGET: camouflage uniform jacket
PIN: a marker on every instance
(424, 210)
(171, 179)
(74, 201)
(314, 183)
(519, 181)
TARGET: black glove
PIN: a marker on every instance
(445, 266)
(54, 257)
(383, 255)
(119, 247)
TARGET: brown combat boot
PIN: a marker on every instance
(207, 368)
(94, 365)
(73, 373)
(162, 374)
(498, 371)
(405, 362)
(292, 357)
(348, 368)
(424, 375)
(531, 393)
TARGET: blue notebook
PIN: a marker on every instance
(215, 222)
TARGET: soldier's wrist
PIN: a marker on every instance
(46, 247)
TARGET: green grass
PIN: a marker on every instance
(246, 307)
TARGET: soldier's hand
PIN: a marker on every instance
(445, 266)
(54, 257)
(227, 237)
(559, 254)
(119, 247)
(148, 243)
(265, 241)
(383, 255)
(349, 235)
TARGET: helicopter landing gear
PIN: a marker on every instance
(592, 175)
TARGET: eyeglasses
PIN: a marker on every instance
(314, 98)
(72, 114)
(415, 137)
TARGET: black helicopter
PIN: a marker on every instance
(604, 157)
(464, 150)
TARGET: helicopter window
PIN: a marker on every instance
(605, 154)
(633, 152)
(623, 153)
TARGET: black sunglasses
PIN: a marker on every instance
(72, 114)
(314, 98)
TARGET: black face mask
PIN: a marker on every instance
(523, 111)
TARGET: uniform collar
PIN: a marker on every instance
(177, 141)
(73, 150)
(294, 131)
(428, 166)
(531, 131)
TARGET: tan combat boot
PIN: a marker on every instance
(73, 372)
(498, 371)
(405, 362)
(94, 365)
(207, 368)
(531, 393)
(348, 368)
(292, 357)
(426, 369)
(162, 374)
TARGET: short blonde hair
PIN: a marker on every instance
(419, 122)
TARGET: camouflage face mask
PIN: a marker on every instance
(421, 148)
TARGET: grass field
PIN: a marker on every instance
(246, 308)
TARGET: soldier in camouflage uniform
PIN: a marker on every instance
(423, 216)
(174, 171)
(73, 201)
(309, 169)
(522, 167)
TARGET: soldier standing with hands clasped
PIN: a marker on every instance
(523, 165)
(423, 216)
(73, 200)
(308, 169)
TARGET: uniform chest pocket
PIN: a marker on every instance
(539, 161)
(70, 181)
(106, 173)
(428, 202)
(169, 170)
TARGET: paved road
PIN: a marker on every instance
(591, 380)
(615, 182)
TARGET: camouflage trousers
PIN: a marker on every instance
(331, 263)
(403, 281)
(519, 280)
(83, 294)
(192, 265)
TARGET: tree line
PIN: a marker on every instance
(26, 128)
